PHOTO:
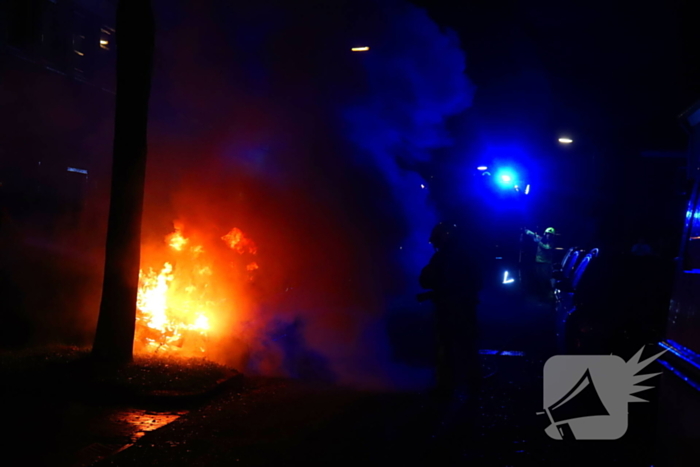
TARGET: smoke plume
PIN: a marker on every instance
(264, 119)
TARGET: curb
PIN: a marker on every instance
(106, 393)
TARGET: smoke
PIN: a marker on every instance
(264, 119)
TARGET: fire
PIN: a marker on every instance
(152, 298)
(239, 242)
(180, 303)
(176, 240)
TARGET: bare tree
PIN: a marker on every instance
(135, 37)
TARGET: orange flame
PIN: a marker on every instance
(178, 305)
(239, 242)
(175, 239)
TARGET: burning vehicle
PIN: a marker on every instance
(183, 303)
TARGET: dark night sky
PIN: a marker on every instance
(586, 67)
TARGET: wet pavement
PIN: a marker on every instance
(290, 422)
(296, 423)
(117, 429)
(278, 422)
(66, 433)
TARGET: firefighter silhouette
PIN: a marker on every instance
(543, 262)
(454, 282)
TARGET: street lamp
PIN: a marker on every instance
(566, 140)
(360, 49)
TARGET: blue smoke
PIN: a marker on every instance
(328, 143)
(415, 75)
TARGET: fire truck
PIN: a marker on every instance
(679, 397)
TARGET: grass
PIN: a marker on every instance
(70, 369)
(158, 373)
(18, 362)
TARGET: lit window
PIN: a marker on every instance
(105, 38)
(78, 171)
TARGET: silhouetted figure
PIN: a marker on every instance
(543, 262)
(454, 280)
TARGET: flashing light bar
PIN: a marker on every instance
(680, 374)
(482, 168)
(360, 49)
(681, 352)
(566, 140)
(78, 171)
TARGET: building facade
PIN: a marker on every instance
(57, 91)
(57, 68)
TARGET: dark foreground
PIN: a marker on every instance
(286, 422)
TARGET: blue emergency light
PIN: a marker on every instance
(506, 178)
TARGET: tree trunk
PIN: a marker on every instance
(135, 37)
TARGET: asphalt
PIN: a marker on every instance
(265, 422)
(286, 422)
